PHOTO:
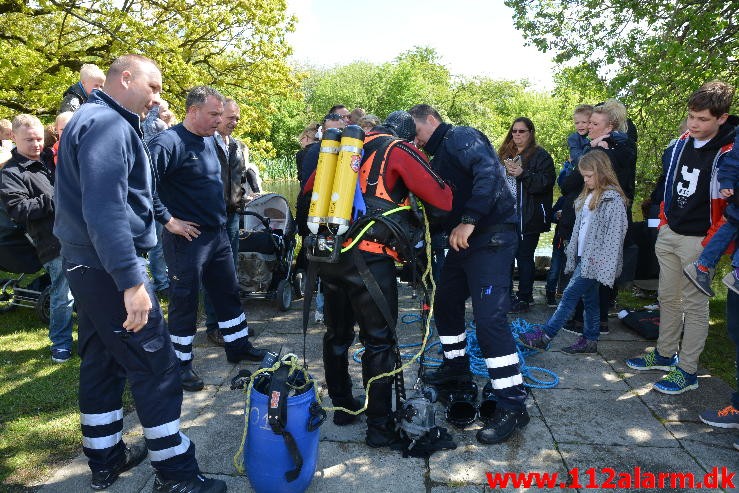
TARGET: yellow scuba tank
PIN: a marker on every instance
(345, 178)
(324, 180)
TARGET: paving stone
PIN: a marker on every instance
(716, 456)
(530, 449)
(702, 434)
(601, 417)
(624, 460)
(590, 372)
(193, 404)
(76, 475)
(344, 467)
(211, 365)
(462, 488)
(687, 406)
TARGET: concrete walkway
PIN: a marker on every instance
(601, 415)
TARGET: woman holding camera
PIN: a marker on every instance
(530, 174)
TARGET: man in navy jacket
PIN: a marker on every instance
(196, 243)
(483, 242)
(105, 224)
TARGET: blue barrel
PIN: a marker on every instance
(265, 455)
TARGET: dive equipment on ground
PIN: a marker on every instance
(279, 449)
(461, 409)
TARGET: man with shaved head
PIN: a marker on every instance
(105, 224)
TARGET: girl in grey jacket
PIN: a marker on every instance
(594, 254)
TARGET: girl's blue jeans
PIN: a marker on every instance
(578, 287)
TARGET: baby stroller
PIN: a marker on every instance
(266, 250)
(18, 256)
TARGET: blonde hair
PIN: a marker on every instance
(64, 116)
(5, 123)
(309, 131)
(25, 120)
(616, 113)
(605, 179)
(586, 109)
(91, 71)
(368, 122)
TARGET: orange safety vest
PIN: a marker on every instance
(376, 195)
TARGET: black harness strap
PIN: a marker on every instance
(277, 417)
(310, 282)
(373, 288)
(379, 298)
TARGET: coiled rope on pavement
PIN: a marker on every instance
(534, 377)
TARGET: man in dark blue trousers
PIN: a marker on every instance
(105, 225)
(483, 242)
(196, 243)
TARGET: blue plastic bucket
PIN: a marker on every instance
(265, 455)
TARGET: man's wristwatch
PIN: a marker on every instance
(468, 220)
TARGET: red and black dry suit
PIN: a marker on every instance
(348, 301)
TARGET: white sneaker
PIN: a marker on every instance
(318, 317)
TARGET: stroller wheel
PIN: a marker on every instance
(284, 295)
(43, 305)
(299, 284)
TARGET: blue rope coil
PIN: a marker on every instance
(534, 376)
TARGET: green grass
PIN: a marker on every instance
(39, 413)
(39, 417)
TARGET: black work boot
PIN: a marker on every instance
(502, 425)
(132, 456)
(342, 418)
(191, 382)
(451, 373)
(382, 433)
(246, 352)
(198, 484)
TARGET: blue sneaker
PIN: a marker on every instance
(701, 279)
(535, 338)
(727, 417)
(677, 382)
(731, 281)
(60, 355)
(652, 360)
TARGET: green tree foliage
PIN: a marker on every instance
(653, 54)
(237, 46)
(418, 76)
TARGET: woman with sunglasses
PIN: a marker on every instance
(530, 175)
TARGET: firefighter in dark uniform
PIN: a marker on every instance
(196, 243)
(483, 241)
(105, 224)
(391, 167)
